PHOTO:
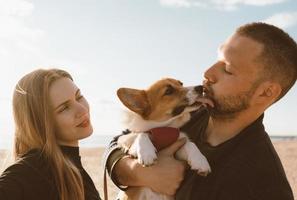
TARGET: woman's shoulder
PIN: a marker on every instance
(29, 177)
(28, 165)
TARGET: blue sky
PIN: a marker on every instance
(107, 44)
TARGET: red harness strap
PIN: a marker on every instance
(163, 137)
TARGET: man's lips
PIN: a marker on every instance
(84, 123)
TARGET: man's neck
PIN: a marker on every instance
(220, 130)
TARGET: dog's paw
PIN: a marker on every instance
(125, 149)
(200, 164)
(133, 150)
(146, 156)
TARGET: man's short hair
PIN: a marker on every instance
(279, 54)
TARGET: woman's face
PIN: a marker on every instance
(71, 112)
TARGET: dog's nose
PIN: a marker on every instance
(199, 89)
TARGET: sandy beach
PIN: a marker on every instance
(91, 158)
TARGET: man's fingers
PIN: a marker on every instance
(173, 147)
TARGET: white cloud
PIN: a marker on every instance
(283, 20)
(20, 43)
(15, 7)
(247, 2)
(14, 30)
(218, 4)
(177, 3)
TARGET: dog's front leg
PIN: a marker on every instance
(194, 157)
(143, 149)
(125, 141)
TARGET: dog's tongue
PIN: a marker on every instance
(202, 99)
(205, 101)
(163, 136)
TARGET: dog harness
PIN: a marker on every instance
(163, 137)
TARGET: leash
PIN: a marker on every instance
(105, 185)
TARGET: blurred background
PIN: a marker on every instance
(107, 44)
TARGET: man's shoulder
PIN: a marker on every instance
(257, 152)
(256, 161)
(250, 170)
(257, 172)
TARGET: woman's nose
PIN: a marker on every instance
(81, 110)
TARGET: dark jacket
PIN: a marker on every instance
(245, 167)
(31, 178)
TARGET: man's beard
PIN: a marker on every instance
(229, 106)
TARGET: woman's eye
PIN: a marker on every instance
(169, 90)
(64, 108)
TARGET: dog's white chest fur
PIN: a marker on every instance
(139, 145)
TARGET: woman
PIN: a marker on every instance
(50, 115)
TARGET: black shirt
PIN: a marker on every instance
(245, 167)
(31, 178)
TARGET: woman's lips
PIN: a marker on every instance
(84, 124)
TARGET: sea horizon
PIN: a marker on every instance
(97, 140)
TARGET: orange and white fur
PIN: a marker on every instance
(164, 104)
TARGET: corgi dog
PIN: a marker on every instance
(166, 103)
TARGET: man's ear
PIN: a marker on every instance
(268, 92)
(135, 100)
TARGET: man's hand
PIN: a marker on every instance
(167, 174)
(164, 176)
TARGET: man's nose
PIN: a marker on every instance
(210, 75)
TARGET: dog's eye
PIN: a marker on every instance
(169, 90)
(180, 83)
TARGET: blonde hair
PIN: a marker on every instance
(35, 129)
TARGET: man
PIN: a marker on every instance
(256, 67)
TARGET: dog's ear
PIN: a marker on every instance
(135, 100)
